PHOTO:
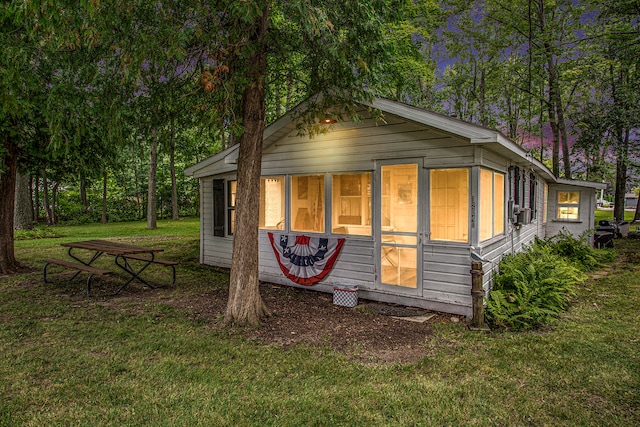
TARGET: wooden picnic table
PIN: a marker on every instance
(122, 254)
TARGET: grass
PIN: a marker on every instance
(122, 361)
(608, 214)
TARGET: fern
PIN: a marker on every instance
(532, 288)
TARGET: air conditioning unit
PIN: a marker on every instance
(524, 216)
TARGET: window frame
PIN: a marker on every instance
(468, 206)
(284, 202)
(294, 180)
(560, 205)
(231, 206)
(493, 200)
(336, 196)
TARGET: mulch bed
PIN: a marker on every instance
(365, 333)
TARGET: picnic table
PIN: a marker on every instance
(122, 255)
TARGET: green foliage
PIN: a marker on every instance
(146, 358)
(535, 286)
(578, 251)
(36, 233)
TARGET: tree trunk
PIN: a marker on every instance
(83, 190)
(484, 118)
(104, 195)
(245, 305)
(552, 77)
(36, 209)
(562, 128)
(621, 175)
(152, 214)
(23, 214)
(175, 214)
(8, 170)
(54, 202)
(555, 148)
(45, 195)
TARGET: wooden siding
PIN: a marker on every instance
(586, 211)
(445, 268)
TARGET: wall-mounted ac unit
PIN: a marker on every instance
(524, 216)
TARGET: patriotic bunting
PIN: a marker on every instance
(305, 260)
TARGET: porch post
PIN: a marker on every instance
(477, 296)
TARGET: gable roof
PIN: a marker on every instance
(490, 139)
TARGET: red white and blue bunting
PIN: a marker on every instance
(305, 260)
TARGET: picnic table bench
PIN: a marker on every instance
(161, 262)
(93, 271)
(122, 253)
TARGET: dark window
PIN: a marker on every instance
(218, 207)
(516, 186)
(533, 185)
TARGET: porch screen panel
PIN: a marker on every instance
(491, 204)
(486, 204)
(307, 203)
(351, 204)
(272, 203)
(449, 204)
(498, 203)
(399, 221)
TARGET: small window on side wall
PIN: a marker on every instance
(568, 205)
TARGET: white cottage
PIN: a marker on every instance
(410, 198)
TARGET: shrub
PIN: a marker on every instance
(36, 233)
(532, 288)
(578, 251)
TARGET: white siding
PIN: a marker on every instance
(585, 211)
(348, 147)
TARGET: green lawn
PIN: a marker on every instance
(608, 214)
(125, 361)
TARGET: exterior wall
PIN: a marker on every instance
(516, 237)
(350, 147)
(214, 251)
(586, 211)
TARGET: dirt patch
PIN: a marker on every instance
(365, 333)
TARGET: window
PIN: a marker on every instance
(533, 185)
(271, 214)
(545, 202)
(224, 207)
(218, 208)
(307, 203)
(491, 204)
(231, 205)
(568, 203)
(351, 204)
(449, 201)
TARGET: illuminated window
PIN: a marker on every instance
(568, 203)
(449, 202)
(272, 203)
(491, 204)
(545, 202)
(307, 203)
(231, 205)
(399, 215)
(351, 204)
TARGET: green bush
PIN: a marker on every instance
(36, 233)
(578, 251)
(532, 288)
